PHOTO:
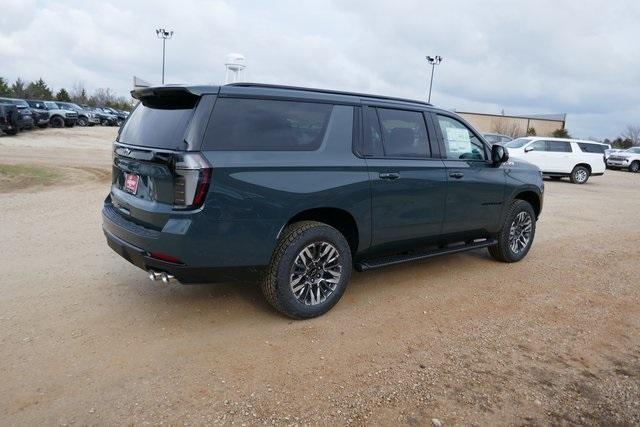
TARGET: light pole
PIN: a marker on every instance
(164, 35)
(433, 60)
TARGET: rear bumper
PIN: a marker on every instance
(209, 251)
(183, 273)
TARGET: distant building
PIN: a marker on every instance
(515, 126)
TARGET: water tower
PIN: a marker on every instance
(235, 68)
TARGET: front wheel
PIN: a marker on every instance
(56, 122)
(579, 175)
(517, 233)
(634, 166)
(83, 122)
(309, 270)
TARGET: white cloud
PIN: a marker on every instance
(578, 57)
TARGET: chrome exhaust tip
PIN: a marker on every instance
(167, 278)
(154, 276)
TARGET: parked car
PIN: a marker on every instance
(298, 186)
(627, 159)
(496, 138)
(608, 152)
(58, 117)
(106, 117)
(120, 118)
(560, 157)
(85, 117)
(19, 119)
(8, 117)
(41, 116)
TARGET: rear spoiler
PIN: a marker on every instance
(172, 96)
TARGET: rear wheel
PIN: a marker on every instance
(517, 233)
(56, 122)
(309, 270)
(579, 175)
(634, 166)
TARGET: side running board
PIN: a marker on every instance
(371, 264)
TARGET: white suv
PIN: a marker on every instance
(559, 157)
(628, 159)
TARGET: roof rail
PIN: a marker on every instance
(333, 92)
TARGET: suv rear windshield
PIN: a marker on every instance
(266, 125)
(157, 127)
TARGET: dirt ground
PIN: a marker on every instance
(85, 338)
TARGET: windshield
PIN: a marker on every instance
(517, 143)
(22, 104)
(635, 150)
(51, 105)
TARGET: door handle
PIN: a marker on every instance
(389, 175)
(456, 175)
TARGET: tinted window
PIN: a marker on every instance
(404, 133)
(592, 148)
(559, 146)
(372, 133)
(157, 127)
(260, 124)
(460, 143)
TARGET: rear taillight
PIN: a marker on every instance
(192, 179)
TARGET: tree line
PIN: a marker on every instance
(39, 89)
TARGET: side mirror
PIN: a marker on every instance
(527, 149)
(499, 154)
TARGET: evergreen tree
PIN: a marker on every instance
(5, 90)
(38, 90)
(17, 88)
(561, 133)
(63, 95)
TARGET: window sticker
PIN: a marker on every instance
(459, 140)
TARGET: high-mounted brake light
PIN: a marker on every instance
(192, 180)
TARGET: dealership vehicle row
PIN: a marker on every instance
(23, 114)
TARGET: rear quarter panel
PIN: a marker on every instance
(254, 194)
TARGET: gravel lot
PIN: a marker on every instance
(87, 339)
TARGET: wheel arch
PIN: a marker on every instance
(340, 219)
(586, 165)
(532, 198)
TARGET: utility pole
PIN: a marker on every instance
(163, 34)
(433, 60)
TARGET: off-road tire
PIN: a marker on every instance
(276, 283)
(501, 251)
(576, 174)
(56, 122)
(634, 167)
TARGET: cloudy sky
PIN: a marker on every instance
(580, 57)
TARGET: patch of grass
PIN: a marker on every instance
(16, 177)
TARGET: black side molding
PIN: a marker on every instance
(400, 259)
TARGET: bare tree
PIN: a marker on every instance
(78, 93)
(633, 133)
(507, 127)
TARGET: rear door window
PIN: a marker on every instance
(266, 125)
(559, 147)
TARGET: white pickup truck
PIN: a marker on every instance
(561, 157)
(628, 159)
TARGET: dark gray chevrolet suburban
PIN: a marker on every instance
(295, 187)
